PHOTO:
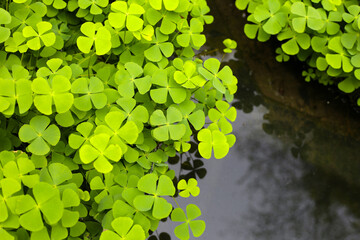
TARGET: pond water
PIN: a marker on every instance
(288, 177)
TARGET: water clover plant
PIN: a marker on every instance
(96, 97)
(324, 34)
(197, 226)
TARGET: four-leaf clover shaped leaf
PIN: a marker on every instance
(221, 114)
(211, 72)
(5, 18)
(197, 226)
(161, 47)
(188, 77)
(124, 15)
(118, 132)
(43, 35)
(303, 16)
(191, 34)
(100, 152)
(155, 187)
(94, 33)
(39, 134)
(210, 140)
(56, 91)
(275, 17)
(129, 77)
(138, 114)
(19, 170)
(125, 229)
(47, 201)
(188, 188)
(91, 93)
(169, 126)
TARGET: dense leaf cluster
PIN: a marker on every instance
(95, 96)
(323, 33)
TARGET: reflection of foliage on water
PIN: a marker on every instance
(316, 198)
(286, 204)
(189, 164)
(161, 236)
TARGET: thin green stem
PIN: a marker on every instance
(222, 58)
(108, 58)
(176, 202)
(89, 67)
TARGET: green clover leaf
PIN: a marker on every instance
(56, 91)
(106, 186)
(16, 43)
(125, 229)
(56, 174)
(95, 5)
(5, 18)
(192, 115)
(291, 47)
(43, 35)
(281, 56)
(168, 19)
(100, 151)
(218, 78)
(221, 114)
(255, 29)
(169, 5)
(94, 33)
(39, 134)
(161, 48)
(349, 84)
(183, 144)
(15, 89)
(197, 226)
(156, 187)
(191, 35)
(57, 4)
(47, 201)
(310, 17)
(340, 59)
(199, 11)
(54, 68)
(117, 131)
(167, 127)
(166, 86)
(90, 93)
(189, 77)
(123, 209)
(124, 15)
(76, 140)
(230, 45)
(20, 171)
(138, 114)
(129, 77)
(273, 14)
(188, 188)
(212, 140)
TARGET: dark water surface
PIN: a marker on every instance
(288, 177)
